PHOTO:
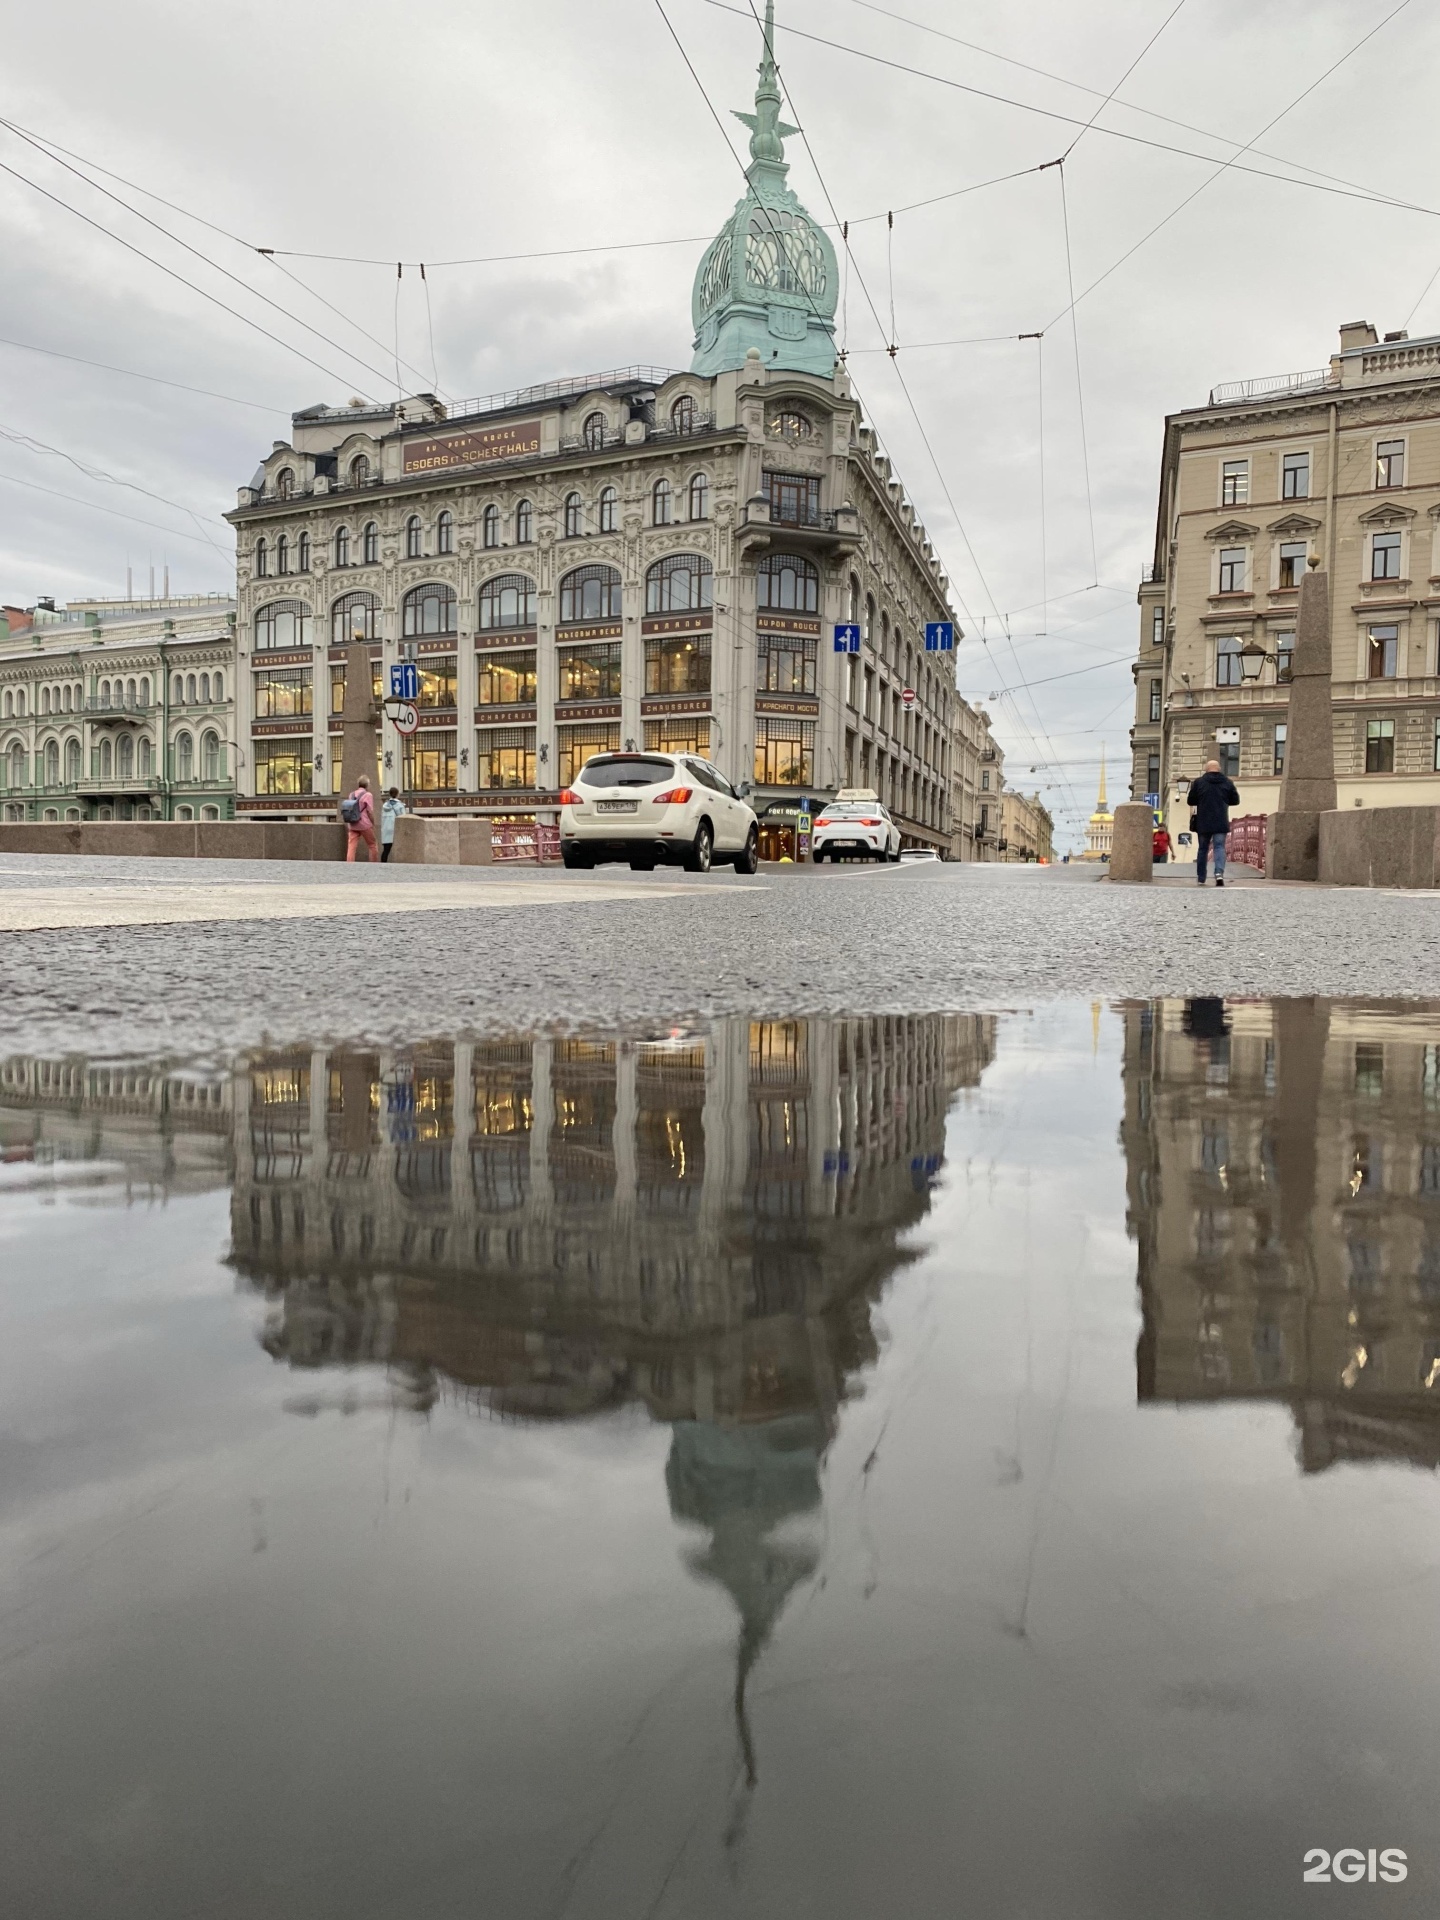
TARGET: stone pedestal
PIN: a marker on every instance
(1132, 855)
(1307, 788)
(443, 843)
(1292, 846)
(1380, 847)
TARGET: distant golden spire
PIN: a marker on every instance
(1100, 806)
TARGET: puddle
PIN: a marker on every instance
(741, 1472)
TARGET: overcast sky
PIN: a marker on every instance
(446, 131)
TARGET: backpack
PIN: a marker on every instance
(350, 810)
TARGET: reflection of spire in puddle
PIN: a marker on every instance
(742, 1483)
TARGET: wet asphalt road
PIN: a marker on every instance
(793, 940)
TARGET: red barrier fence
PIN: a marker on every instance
(524, 840)
(1247, 840)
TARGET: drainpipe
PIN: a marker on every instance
(1330, 478)
(166, 634)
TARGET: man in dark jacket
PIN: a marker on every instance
(1211, 797)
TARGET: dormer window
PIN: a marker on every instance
(789, 424)
(360, 471)
(285, 484)
(593, 432)
(682, 414)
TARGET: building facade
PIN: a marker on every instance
(979, 779)
(641, 559)
(1340, 466)
(1027, 832)
(118, 710)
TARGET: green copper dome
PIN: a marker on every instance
(768, 280)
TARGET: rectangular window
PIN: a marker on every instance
(580, 743)
(985, 783)
(337, 686)
(1232, 569)
(1227, 662)
(1157, 626)
(1278, 760)
(430, 762)
(1389, 463)
(282, 766)
(852, 682)
(869, 691)
(784, 752)
(505, 679)
(1292, 562)
(1284, 658)
(1384, 556)
(786, 663)
(437, 682)
(590, 673)
(283, 693)
(1156, 696)
(504, 757)
(1383, 661)
(1379, 746)
(1295, 476)
(1437, 744)
(1228, 754)
(1234, 483)
(794, 499)
(677, 663)
(1152, 775)
(677, 734)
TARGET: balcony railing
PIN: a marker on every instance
(119, 709)
(802, 517)
(1268, 386)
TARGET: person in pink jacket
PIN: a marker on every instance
(358, 813)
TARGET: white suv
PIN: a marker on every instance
(656, 807)
(854, 826)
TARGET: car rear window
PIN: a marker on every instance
(636, 772)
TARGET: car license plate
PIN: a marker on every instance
(616, 806)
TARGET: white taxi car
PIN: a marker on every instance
(652, 808)
(854, 826)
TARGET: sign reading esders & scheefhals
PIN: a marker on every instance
(472, 447)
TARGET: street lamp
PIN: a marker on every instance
(1252, 658)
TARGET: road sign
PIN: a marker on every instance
(405, 684)
(847, 637)
(407, 719)
(907, 695)
(939, 636)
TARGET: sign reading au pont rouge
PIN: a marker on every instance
(472, 447)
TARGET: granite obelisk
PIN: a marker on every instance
(359, 715)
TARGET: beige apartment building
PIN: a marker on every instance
(979, 780)
(1027, 831)
(1341, 465)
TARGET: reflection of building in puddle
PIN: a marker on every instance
(159, 1130)
(1284, 1189)
(701, 1225)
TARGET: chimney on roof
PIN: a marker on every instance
(1402, 334)
(1357, 333)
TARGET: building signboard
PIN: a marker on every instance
(677, 623)
(263, 659)
(775, 703)
(592, 710)
(515, 440)
(506, 637)
(695, 703)
(504, 716)
(275, 729)
(601, 630)
(767, 622)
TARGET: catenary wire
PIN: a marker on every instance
(1121, 81)
(54, 353)
(32, 445)
(1079, 383)
(94, 506)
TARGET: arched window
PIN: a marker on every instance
(44, 699)
(524, 524)
(209, 756)
(65, 695)
(787, 424)
(107, 760)
(72, 762)
(9, 704)
(609, 503)
(184, 757)
(285, 483)
(20, 703)
(282, 554)
(574, 516)
(342, 546)
(682, 414)
(52, 763)
(177, 691)
(205, 689)
(354, 617)
(854, 614)
(17, 765)
(884, 636)
(869, 618)
(660, 499)
(700, 497)
(593, 431)
(217, 686)
(681, 583)
(786, 582)
(507, 601)
(360, 471)
(262, 560)
(144, 692)
(590, 593)
(189, 689)
(146, 758)
(490, 526)
(302, 558)
(283, 623)
(413, 547)
(445, 533)
(125, 756)
(129, 693)
(428, 609)
(371, 543)
(102, 695)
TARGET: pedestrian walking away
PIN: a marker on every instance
(1211, 798)
(357, 810)
(391, 808)
(1160, 846)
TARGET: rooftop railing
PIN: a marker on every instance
(640, 376)
(1269, 386)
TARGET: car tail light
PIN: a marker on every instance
(676, 797)
(822, 821)
(569, 797)
(869, 823)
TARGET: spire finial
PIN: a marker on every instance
(767, 129)
(1100, 806)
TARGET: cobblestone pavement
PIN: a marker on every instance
(507, 949)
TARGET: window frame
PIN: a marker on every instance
(490, 526)
(414, 538)
(573, 522)
(1293, 463)
(1386, 542)
(424, 594)
(1227, 649)
(1235, 482)
(1382, 646)
(499, 585)
(1380, 736)
(1389, 477)
(445, 531)
(607, 510)
(1233, 565)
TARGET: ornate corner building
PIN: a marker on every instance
(1340, 466)
(639, 559)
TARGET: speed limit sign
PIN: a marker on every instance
(407, 718)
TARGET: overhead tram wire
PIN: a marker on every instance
(130, 373)
(32, 445)
(94, 506)
(1079, 383)
(1110, 133)
(1121, 81)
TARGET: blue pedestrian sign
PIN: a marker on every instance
(847, 637)
(939, 636)
(405, 681)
